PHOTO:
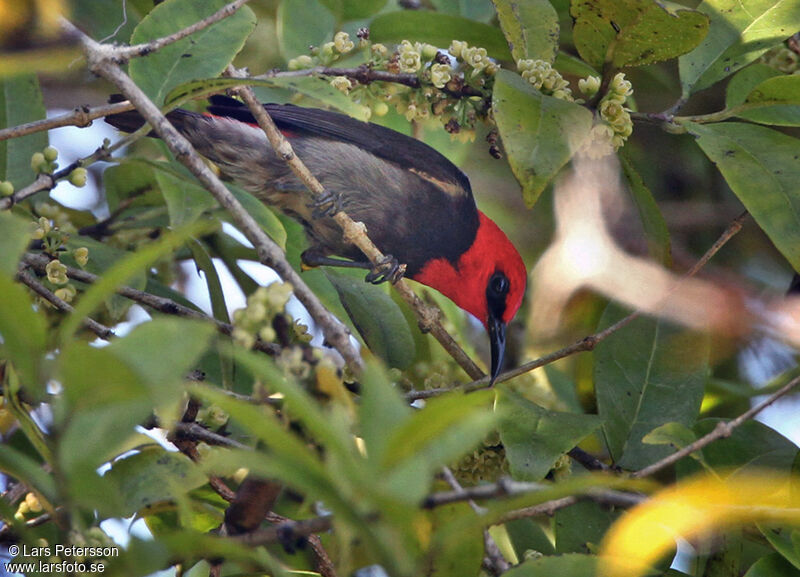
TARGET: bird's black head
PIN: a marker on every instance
(496, 299)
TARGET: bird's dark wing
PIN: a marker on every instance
(409, 153)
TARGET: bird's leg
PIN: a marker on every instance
(389, 269)
(326, 204)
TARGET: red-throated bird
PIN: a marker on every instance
(416, 204)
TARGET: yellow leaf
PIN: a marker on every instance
(690, 509)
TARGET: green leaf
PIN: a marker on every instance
(377, 318)
(785, 540)
(535, 438)
(182, 341)
(439, 30)
(676, 435)
(530, 27)
(20, 102)
(761, 167)
(14, 239)
(480, 10)
(186, 200)
(316, 87)
(297, 29)
(772, 565)
(752, 446)
(655, 227)
(634, 32)
(204, 53)
(346, 10)
(381, 410)
(573, 565)
(528, 535)
(263, 215)
(580, 528)
(539, 133)
(153, 476)
(23, 333)
(743, 82)
(740, 31)
(25, 470)
(130, 179)
(779, 100)
(647, 375)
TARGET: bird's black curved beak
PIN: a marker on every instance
(497, 338)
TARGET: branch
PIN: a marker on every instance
(722, 430)
(46, 181)
(355, 232)
(82, 116)
(589, 342)
(100, 330)
(121, 54)
(286, 531)
(196, 432)
(102, 60)
(161, 304)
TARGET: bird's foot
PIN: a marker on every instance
(326, 204)
(388, 269)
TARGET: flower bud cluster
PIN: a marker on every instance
(544, 78)
(44, 162)
(487, 463)
(613, 125)
(255, 320)
(28, 505)
(782, 58)
(326, 54)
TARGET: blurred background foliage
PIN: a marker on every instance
(84, 421)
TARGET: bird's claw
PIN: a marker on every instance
(388, 269)
(326, 204)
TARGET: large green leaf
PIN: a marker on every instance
(539, 133)
(530, 27)
(655, 228)
(23, 332)
(203, 54)
(580, 528)
(14, 238)
(153, 476)
(376, 317)
(752, 446)
(740, 31)
(20, 102)
(301, 24)
(535, 438)
(634, 32)
(785, 540)
(439, 30)
(649, 374)
(773, 565)
(573, 565)
(760, 165)
(778, 101)
(186, 200)
(346, 10)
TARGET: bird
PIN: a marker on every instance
(417, 206)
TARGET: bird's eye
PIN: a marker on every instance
(498, 284)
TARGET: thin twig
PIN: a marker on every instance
(722, 430)
(102, 60)
(196, 432)
(161, 304)
(121, 54)
(27, 279)
(82, 116)
(46, 181)
(355, 232)
(280, 532)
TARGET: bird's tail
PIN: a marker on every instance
(131, 120)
